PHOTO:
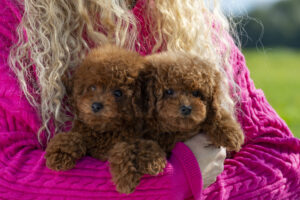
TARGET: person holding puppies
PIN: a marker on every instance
(43, 40)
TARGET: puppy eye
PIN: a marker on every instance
(169, 92)
(197, 93)
(92, 88)
(118, 93)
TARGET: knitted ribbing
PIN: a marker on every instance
(267, 167)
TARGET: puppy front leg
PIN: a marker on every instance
(151, 159)
(63, 150)
(130, 160)
(123, 167)
(227, 133)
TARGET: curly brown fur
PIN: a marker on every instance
(64, 149)
(182, 99)
(131, 160)
(103, 94)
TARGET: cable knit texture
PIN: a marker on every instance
(267, 167)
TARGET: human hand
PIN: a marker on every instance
(210, 158)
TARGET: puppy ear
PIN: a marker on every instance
(149, 90)
(137, 100)
(220, 125)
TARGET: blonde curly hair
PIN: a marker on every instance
(58, 34)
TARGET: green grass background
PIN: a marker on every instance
(277, 73)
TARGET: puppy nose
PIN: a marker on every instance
(96, 107)
(185, 110)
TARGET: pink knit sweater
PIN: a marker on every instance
(267, 167)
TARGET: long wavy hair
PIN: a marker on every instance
(58, 34)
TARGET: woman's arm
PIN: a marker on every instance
(257, 117)
(267, 167)
(23, 173)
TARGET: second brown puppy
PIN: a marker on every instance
(183, 98)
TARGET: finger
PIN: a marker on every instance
(222, 153)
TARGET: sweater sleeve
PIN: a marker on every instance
(23, 174)
(267, 167)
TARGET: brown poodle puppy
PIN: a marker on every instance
(183, 99)
(104, 97)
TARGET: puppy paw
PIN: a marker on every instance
(63, 150)
(232, 142)
(153, 166)
(122, 160)
(127, 183)
(151, 159)
(60, 161)
(235, 142)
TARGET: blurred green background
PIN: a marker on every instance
(277, 72)
(269, 31)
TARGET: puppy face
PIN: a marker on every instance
(180, 110)
(104, 87)
(181, 86)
